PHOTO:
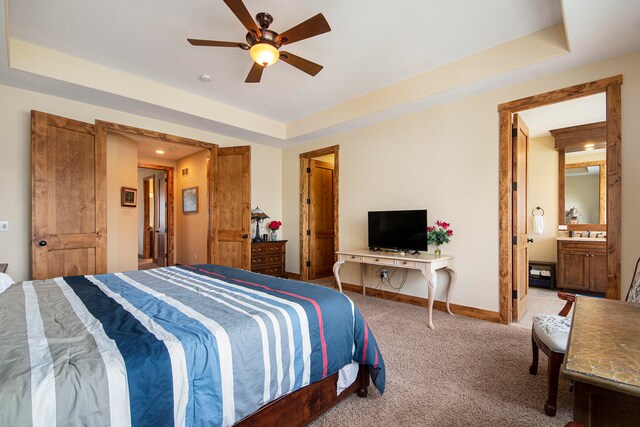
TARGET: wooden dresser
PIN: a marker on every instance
(269, 257)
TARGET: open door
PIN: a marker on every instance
(234, 207)
(321, 227)
(161, 254)
(69, 223)
(148, 218)
(520, 141)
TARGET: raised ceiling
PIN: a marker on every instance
(374, 46)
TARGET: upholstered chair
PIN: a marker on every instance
(550, 334)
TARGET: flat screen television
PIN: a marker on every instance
(398, 230)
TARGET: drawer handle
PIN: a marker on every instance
(353, 257)
(404, 262)
(377, 259)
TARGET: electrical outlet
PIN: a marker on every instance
(383, 273)
(4, 225)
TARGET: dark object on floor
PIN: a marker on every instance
(542, 274)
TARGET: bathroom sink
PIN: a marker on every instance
(583, 239)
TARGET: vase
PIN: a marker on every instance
(437, 253)
(274, 235)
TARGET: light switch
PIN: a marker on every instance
(4, 225)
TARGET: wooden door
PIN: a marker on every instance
(321, 230)
(161, 220)
(233, 189)
(69, 223)
(147, 233)
(520, 141)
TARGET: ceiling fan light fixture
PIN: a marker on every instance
(264, 54)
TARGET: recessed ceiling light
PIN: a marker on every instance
(205, 78)
(173, 149)
(588, 148)
(589, 145)
(159, 151)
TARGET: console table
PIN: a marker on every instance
(427, 264)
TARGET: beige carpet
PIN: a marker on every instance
(466, 372)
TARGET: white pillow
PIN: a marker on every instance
(5, 282)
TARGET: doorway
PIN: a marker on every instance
(513, 245)
(156, 233)
(319, 199)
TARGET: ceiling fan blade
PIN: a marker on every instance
(214, 43)
(311, 27)
(301, 64)
(255, 73)
(240, 10)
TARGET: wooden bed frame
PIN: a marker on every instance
(305, 405)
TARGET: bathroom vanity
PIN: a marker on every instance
(582, 264)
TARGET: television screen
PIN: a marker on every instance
(401, 230)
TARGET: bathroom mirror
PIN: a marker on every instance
(585, 191)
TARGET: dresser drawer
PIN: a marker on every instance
(346, 257)
(276, 270)
(257, 261)
(267, 248)
(376, 260)
(405, 263)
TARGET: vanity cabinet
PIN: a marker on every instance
(582, 265)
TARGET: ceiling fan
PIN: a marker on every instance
(263, 44)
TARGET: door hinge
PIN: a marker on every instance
(308, 201)
(514, 294)
(308, 232)
(514, 240)
(514, 186)
(165, 180)
(514, 132)
(308, 263)
(166, 205)
(166, 230)
(308, 170)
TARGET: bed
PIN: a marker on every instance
(188, 346)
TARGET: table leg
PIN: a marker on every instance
(336, 273)
(432, 281)
(453, 276)
(363, 271)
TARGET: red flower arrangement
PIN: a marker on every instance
(275, 225)
(439, 234)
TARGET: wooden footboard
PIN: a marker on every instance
(305, 405)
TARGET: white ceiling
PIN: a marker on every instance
(373, 44)
(581, 111)
(147, 147)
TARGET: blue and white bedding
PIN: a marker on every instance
(191, 345)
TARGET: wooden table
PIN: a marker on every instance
(603, 360)
(427, 264)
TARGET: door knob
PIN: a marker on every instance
(42, 243)
(245, 236)
(530, 240)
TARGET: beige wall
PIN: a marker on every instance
(445, 159)
(122, 222)
(542, 191)
(15, 167)
(192, 228)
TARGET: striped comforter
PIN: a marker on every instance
(193, 345)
